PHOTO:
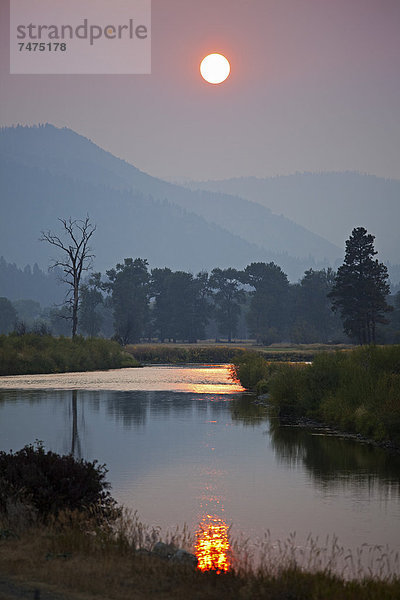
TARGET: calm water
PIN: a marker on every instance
(182, 443)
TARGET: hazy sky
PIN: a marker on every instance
(314, 86)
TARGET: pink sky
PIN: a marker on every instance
(314, 86)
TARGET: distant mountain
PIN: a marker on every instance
(128, 224)
(48, 172)
(329, 204)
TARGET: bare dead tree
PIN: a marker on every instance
(77, 257)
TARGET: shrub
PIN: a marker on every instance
(51, 483)
(250, 368)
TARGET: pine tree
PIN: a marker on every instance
(360, 288)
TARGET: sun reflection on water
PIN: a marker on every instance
(213, 549)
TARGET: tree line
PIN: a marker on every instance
(29, 282)
(132, 302)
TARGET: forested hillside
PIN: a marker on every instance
(30, 283)
(329, 204)
(48, 173)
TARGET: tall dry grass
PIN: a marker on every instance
(77, 555)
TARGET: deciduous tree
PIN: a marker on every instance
(227, 296)
(90, 320)
(268, 305)
(129, 287)
(180, 304)
(77, 257)
(312, 317)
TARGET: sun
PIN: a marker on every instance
(215, 68)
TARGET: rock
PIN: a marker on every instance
(164, 550)
(184, 558)
(174, 554)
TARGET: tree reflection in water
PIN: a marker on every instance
(335, 461)
(180, 437)
(247, 410)
(76, 449)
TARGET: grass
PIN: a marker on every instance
(355, 391)
(76, 555)
(184, 353)
(253, 370)
(217, 353)
(32, 353)
(90, 552)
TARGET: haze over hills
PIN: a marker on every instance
(330, 204)
(48, 172)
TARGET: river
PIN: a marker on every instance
(186, 445)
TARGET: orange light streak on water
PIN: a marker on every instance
(212, 545)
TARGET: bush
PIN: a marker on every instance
(250, 368)
(51, 483)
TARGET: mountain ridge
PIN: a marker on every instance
(328, 203)
(233, 231)
(127, 176)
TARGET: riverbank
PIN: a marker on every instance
(37, 354)
(73, 561)
(222, 353)
(175, 354)
(355, 392)
(33, 354)
(94, 549)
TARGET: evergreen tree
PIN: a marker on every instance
(361, 288)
